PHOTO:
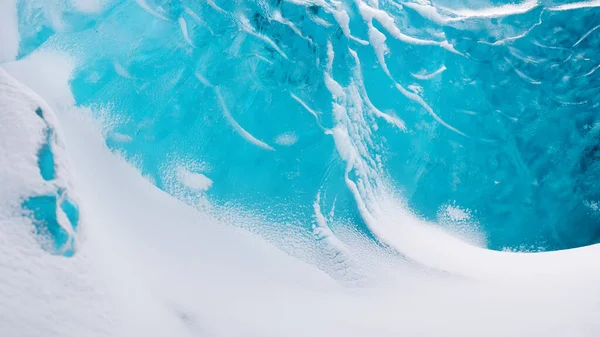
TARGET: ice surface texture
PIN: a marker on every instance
(342, 134)
(486, 108)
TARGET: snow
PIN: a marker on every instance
(193, 180)
(9, 31)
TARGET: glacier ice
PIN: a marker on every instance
(489, 108)
(293, 167)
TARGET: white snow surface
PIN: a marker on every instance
(193, 180)
(9, 31)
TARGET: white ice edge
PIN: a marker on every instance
(427, 76)
(494, 12)
(237, 127)
(446, 15)
(435, 248)
(576, 5)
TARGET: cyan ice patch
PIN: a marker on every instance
(44, 216)
(46, 158)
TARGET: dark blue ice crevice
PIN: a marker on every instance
(44, 209)
(39, 112)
